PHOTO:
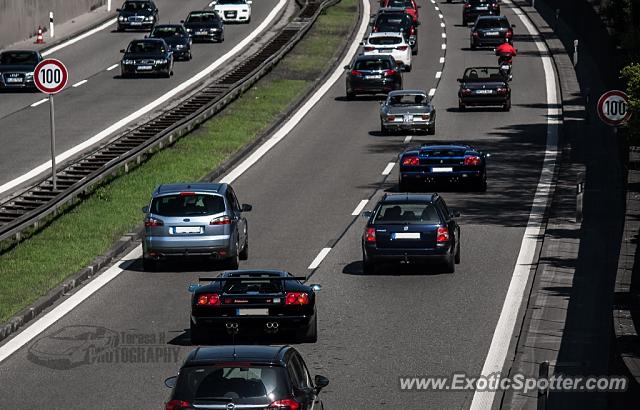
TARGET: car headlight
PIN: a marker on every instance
(128, 62)
(189, 30)
(161, 61)
(149, 18)
(213, 30)
(120, 18)
(179, 46)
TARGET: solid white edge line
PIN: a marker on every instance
(497, 354)
(147, 108)
(318, 259)
(112, 67)
(41, 324)
(388, 168)
(359, 207)
(432, 92)
(438, 74)
(441, 60)
(80, 37)
(407, 139)
(79, 83)
(35, 104)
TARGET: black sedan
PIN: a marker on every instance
(16, 69)
(176, 37)
(254, 301)
(137, 14)
(484, 86)
(397, 20)
(150, 56)
(491, 31)
(245, 377)
(451, 163)
(373, 74)
(411, 228)
(472, 9)
(205, 26)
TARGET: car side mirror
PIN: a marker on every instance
(417, 23)
(346, 67)
(118, 10)
(488, 155)
(122, 51)
(182, 21)
(366, 214)
(192, 287)
(316, 287)
(459, 80)
(170, 382)
(513, 26)
(146, 36)
(246, 208)
(145, 209)
(321, 382)
(455, 214)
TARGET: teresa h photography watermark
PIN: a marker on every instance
(518, 382)
(81, 345)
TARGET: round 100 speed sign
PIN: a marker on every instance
(613, 107)
(50, 76)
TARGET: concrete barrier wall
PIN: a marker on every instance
(19, 19)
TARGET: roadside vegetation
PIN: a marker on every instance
(631, 75)
(70, 242)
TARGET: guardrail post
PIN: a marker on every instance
(108, 6)
(543, 373)
(575, 52)
(52, 32)
(579, 197)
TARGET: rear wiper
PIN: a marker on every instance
(215, 398)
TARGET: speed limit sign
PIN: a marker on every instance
(50, 76)
(613, 107)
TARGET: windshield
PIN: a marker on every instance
(231, 2)
(136, 6)
(184, 205)
(408, 99)
(227, 383)
(202, 18)
(408, 213)
(385, 41)
(483, 74)
(19, 57)
(165, 32)
(374, 65)
(492, 23)
(146, 47)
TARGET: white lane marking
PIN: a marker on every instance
(360, 207)
(68, 305)
(112, 67)
(302, 112)
(440, 16)
(444, 35)
(388, 168)
(444, 46)
(80, 37)
(318, 260)
(79, 83)
(407, 139)
(433, 1)
(442, 25)
(502, 336)
(147, 108)
(437, 8)
(44, 100)
(441, 60)
(438, 74)
(432, 92)
(40, 325)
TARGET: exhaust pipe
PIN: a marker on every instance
(232, 327)
(272, 327)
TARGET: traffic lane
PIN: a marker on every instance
(105, 99)
(88, 57)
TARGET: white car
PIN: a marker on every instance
(390, 43)
(234, 11)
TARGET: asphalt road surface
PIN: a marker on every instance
(403, 321)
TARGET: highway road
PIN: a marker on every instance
(402, 321)
(88, 109)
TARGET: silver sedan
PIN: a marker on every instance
(407, 110)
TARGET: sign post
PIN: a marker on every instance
(613, 108)
(50, 77)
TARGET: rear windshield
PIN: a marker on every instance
(226, 383)
(400, 3)
(481, 2)
(385, 41)
(393, 19)
(136, 5)
(146, 47)
(185, 205)
(259, 285)
(443, 153)
(373, 65)
(408, 99)
(492, 23)
(483, 74)
(410, 213)
(18, 57)
(170, 31)
(202, 18)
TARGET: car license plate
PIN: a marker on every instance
(406, 235)
(491, 33)
(408, 118)
(201, 33)
(441, 169)
(252, 312)
(484, 91)
(14, 80)
(372, 77)
(187, 229)
(144, 67)
(230, 13)
(135, 23)
(482, 8)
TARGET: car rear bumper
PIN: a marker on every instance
(409, 126)
(252, 323)
(376, 254)
(484, 100)
(218, 247)
(358, 86)
(456, 176)
(488, 41)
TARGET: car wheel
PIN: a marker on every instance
(368, 266)
(119, 28)
(482, 185)
(309, 334)
(457, 258)
(507, 105)
(461, 107)
(404, 186)
(450, 264)
(473, 45)
(350, 95)
(432, 130)
(244, 254)
(198, 336)
(407, 68)
(232, 263)
(464, 22)
(149, 265)
(414, 51)
(383, 129)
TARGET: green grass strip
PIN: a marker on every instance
(35, 266)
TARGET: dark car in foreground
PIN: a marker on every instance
(150, 56)
(253, 302)
(472, 9)
(205, 26)
(411, 228)
(451, 163)
(176, 37)
(137, 14)
(407, 110)
(16, 69)
(490, 31)
(373, 74)
(484, 86)
(195, 219)
(245, 378)
(397, 20)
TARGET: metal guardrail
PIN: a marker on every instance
(33, 206)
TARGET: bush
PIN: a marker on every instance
(631, 75)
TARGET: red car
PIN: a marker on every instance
(409, 6)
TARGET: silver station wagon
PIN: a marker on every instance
(196, 219)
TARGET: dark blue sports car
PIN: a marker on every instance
(443, 163)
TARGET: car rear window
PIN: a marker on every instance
(481, 2)
(27, 58)
(400, 3)
(492, 23)
(185, 205)
(202, 18)
(409, 213)
(208, 383)
(443, 153)
(240, 285)
(393, 19)
(385, 41)
(373, 65)
(483, 74)
(408, 99)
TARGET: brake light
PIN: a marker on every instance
(411, 161)
(370, 235)
(208, 299)
(356, 73)
(286, 404)
(466, 91)
(509, 33)
(474, 33)
(501, 90)
(177, 405)
(296, 298)
(471, 160)
(390, 72)
(443, 234)
(391, 117)
(369, 48)
(187, 193)
(494, 5)
(402, 48)
(375, 29)
(151, 222)
(426, 117)
(467, 6)
(412, 31)
(221, 220)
